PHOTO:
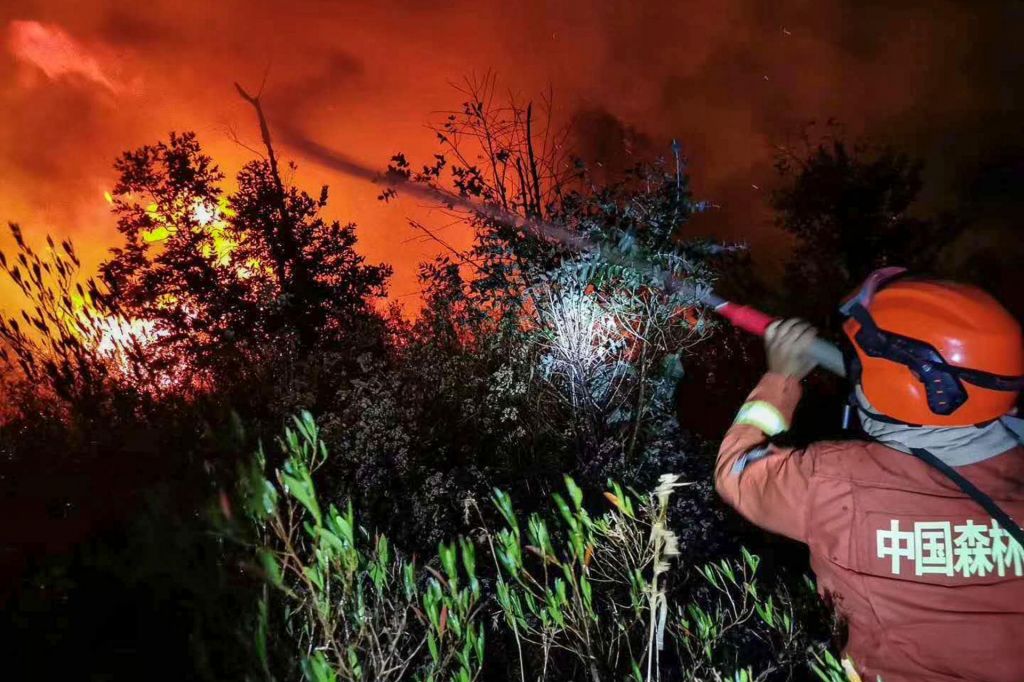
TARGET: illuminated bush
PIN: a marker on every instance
(610, 353)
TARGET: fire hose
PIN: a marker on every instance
(752, 320)
(825, 354)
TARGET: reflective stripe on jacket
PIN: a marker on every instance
(930, 587)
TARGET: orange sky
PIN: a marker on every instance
(729, 78)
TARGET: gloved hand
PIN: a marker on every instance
(787, 343)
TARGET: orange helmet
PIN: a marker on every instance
(933, 353)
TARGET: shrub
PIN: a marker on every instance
(577, 597)
(67, 347)
(357, 610)
(596, 587)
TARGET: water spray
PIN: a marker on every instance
(825, 354)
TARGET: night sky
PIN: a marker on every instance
(80, 82)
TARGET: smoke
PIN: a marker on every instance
(731, 80)
(56, 54)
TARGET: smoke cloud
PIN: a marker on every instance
(56, 54)
(731, 80)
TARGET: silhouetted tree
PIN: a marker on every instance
(173, 270)
(225, 279)
(850, 208)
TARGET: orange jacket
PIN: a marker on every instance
(930, 588)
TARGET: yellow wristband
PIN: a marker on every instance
(764, 416)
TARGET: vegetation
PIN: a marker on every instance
(435, 510)
(579, 597)
(359, 610)
(850, 206)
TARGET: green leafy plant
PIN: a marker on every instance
(589, 587)
(605, 593)
(733, 602)
(579, 596)
(354, 607)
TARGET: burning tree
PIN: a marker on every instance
(228, 280)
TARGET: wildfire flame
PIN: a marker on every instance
(109, 335)
(117, 334)
(209, 218)
(113, 336)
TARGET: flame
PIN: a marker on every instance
(114, 337)
(209, 219)
(117, 341)
(222, 247)
(117, 333)
(203, 214)
(225, 207)
(110, 336)
(157, 234)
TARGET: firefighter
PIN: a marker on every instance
(911, 529)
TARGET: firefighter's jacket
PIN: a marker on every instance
(929, 586)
